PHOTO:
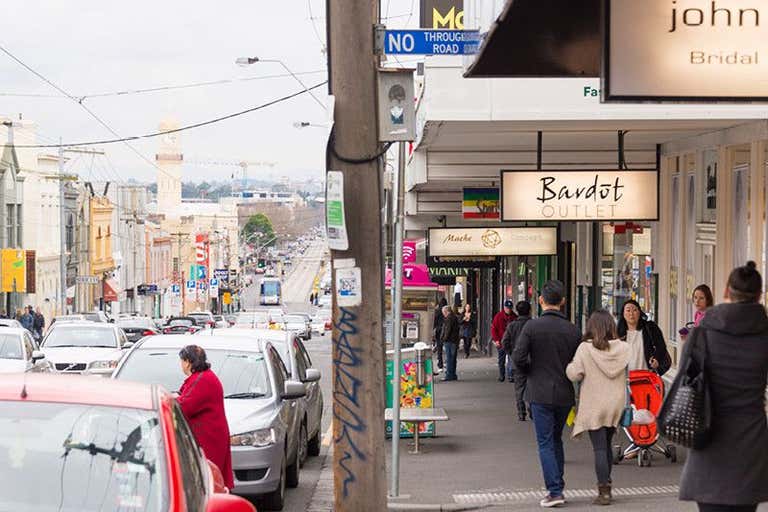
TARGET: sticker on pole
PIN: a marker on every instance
(335, 219)
(349, 287)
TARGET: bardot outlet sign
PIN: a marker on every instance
(492, 241)
(685, 50)
(591, 195)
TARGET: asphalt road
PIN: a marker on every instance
(297, 285)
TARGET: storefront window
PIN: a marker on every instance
(674, 271)
(741, 231)
(627, 265)
(690, 242)
(709, 205)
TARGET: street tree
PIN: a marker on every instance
(260, 223)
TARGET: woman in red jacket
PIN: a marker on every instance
(201, 398)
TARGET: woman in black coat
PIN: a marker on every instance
(654, 347)
(731, 472)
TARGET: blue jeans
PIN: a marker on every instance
(549, 421)
(450, 350)
(505, 369)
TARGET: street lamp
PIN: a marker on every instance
(247, 61)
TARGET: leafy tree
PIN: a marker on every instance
(260, 223)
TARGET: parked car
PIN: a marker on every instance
(136, 327)
(181, 325)
(203, 318)
(85, 347)
(221, 322)
(299, 365)
(299, 324)
(19, 352)
(308, 322)
(260, 402)
(129, 442)
(253, 319)
(10, 322)
(321, 322)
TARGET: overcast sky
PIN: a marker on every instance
(95, 46)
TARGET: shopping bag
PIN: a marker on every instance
(571, 419)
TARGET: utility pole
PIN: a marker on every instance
(358, 345)
(180, 270)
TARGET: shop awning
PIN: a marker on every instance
(110, 290)
(415, 277)
(542, 38)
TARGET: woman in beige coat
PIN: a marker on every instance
(600, 365)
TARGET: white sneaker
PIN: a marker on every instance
(552, 501)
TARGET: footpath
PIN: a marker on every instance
(485, 459)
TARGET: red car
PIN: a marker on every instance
(101, 445)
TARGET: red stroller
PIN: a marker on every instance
(647, 394)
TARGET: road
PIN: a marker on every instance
(297, 286)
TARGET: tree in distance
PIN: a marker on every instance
(259, 223)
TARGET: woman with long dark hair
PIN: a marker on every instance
(201, 399)
(600, 364)
(730, 473)
(702, 299)
(648, 350)
(468, 321)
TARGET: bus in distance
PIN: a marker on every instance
(271, 291)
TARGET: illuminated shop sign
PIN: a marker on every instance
(594, 195)
(685, 50)
(442, 14)
(492, 241)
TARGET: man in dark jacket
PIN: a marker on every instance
(509, 342)
(450, 339)
(498, 328)
(38, 324)
(544, 348)
(437, 331)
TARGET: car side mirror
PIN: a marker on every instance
(228, 503)
(37, 356)
(313, 375)
(293, 390)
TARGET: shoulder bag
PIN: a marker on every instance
(686, 415)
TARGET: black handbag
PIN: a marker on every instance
(686, 415)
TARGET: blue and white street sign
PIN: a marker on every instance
(431, 42)
(214, 283)
(221, 273)
(191, 285)
(176, 289)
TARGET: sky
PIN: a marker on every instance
(89, 46)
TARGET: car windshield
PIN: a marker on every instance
(80, 336)
(93, 317)
(242, 374)
(135, 323)
(10, 346)
(181, 322)
(252, 318)
(69, 457)
(200, 316)
(294, 319)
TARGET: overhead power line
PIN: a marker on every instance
(162, 88)
(182, 128)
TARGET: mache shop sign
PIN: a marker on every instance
(600, 195)
(492, 241)
(685, 50)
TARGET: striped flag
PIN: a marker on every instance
(481, 203)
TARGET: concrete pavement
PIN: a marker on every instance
(484, 458)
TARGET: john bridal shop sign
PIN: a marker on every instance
(685, 50)
(492, 241)
(579, 195)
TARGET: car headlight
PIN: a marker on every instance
(102, 365)
(257, 438)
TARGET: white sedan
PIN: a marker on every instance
(19, 354)
(85, 347)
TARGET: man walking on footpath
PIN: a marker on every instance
(509, 342)
(38, 324)
(498, 327)
(545, 347)
(28, 319)
(450, 339)
(437, 331)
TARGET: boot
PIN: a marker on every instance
(603, 495)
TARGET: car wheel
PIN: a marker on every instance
(313, 447)
(276, 499)
(303, 443)
(292, 472)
